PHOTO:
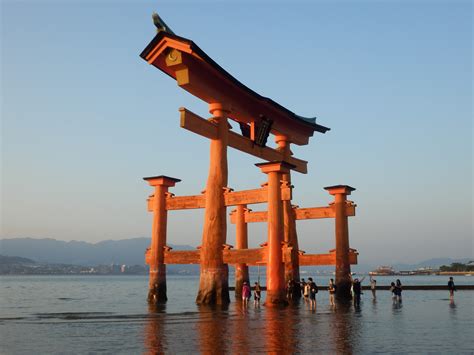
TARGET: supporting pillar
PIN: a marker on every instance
(157, 282)
(214, 284)
(241, 242)
(343, 266)
(292, 268)
(276, 287)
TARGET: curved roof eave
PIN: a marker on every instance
(308, 121)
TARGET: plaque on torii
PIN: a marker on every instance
(257, 118)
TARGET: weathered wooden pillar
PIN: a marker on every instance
(241, 242)
(276, 287)
(292, 267)
(157, 282)
(214, 284)
(343, 266)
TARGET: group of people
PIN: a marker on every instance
(396, 289)
(247, 293)
(309, 289)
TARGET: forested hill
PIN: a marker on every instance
(128, 251)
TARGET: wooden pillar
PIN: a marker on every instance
(343, 266)
(276, 287)
(214, 284)
(157, 282)
(241, 242)
(292, 267)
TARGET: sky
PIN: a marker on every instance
(84, 118)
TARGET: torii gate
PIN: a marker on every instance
(257, 116)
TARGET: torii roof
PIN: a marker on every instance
(199, 74)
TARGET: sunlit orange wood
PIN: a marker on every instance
(241, 243)
(300, 213)
(199, 125)
(183, 257)
(213, 282)
(195, 72)
(254, 257)
(276, 287)
(292, 268)
(157, 280)
(231, 198)
(343, 266)
(323, 259)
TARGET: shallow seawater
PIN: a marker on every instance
(109, 314)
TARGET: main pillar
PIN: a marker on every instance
(157, 282)
(292, 267)
(241, 242)
(276, 287)
(214, 284)
(343, 266)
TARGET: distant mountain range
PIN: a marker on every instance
(127, 251)
(131, 252)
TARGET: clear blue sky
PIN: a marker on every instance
(84, 118)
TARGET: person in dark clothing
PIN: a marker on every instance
(356, 289)
(313, 290)
(398, 290)
(451, 288)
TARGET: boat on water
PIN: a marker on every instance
(382, 271)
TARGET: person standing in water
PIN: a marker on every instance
(306, 290)
(451, 288)
(246, 292)
(357, 289)
(393, 290)
(257, 294)
(373, 286)
(332, 292)
(398, 290)
(313, 290)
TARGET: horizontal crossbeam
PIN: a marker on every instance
(300, 213)
(253, 257)
(205, 128)
(232, 198)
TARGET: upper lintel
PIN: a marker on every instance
(197, 73)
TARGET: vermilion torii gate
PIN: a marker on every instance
(258, 117)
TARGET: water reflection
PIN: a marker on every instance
(282, 329)
(155, 334)
(342, 328)
(236, 329)
(452, 309)
(213, 329)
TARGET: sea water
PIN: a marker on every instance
(109, 314)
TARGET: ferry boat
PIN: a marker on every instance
(383, 271)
